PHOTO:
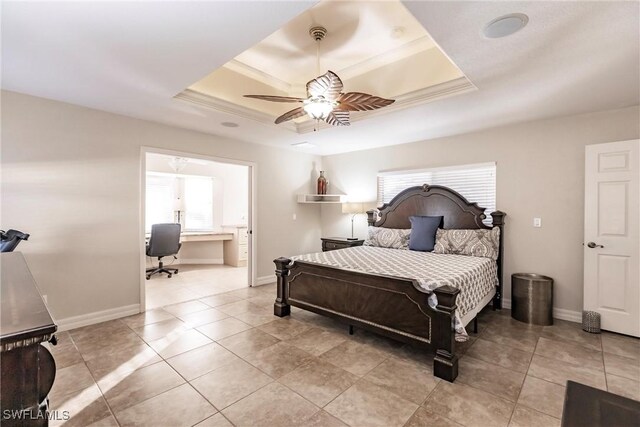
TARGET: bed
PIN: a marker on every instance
(363, 294)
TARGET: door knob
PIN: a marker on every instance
(594, 245)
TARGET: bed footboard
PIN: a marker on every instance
(445, 362)
(391, 306)
(281, 308)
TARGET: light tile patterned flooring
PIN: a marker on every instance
(226, 360)
(193, 281)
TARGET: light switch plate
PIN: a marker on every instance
(537, 222)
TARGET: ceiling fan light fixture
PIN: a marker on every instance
(178, 163)
(325, 99)
(318, 108)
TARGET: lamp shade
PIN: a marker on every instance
(178, 204)
(353, 208)
(370, 206)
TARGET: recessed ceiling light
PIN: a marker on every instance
(229, 124)
(505, 25)
(303, 144)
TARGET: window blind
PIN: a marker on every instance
(198, 200)
(476, 182)
(159, 200)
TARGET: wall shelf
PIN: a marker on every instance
(322, 198)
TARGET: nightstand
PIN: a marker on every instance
(332, 243)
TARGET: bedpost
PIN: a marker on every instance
(280, 307)
(371, 217)
(445, 362)
(498, 221)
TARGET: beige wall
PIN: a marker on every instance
(540, 173)
(71, 178)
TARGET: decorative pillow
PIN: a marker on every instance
(481, 243)
(423, 232)
(393, 238)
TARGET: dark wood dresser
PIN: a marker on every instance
(28, 368)
(588, 406)
(332, 243)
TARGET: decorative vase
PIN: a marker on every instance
(322, 183)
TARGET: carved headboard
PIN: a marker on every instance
(435, 200)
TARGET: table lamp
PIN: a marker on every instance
(354, 209)
(178, 208)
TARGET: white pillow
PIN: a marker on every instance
(481, 242)
(393, 238)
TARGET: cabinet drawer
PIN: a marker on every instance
(242, 236)
(243, 252)
(328, 246)
(333, 244)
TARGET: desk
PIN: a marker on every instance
(202, 247)
(205, 236)
(236, 250)
(200, 236)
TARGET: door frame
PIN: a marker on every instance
(251, 220)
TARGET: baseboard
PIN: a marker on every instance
(558, 313)
(184, 261)
(265, 280)
(568, 315)
(96, 317)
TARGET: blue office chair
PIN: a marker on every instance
(164, 241)
(10, 239)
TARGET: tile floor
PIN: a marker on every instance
(193, 281)
(226, 360)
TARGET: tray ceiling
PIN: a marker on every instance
(375, 47)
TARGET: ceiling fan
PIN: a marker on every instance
(325, 99)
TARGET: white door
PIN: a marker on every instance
(611, 236)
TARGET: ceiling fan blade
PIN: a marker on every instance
(290, 115)
(338, 118)
(357, 101)
(327, 85)
(274, 98)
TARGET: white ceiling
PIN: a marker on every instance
(132, 58)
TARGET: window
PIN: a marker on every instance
(198, 203)
(477, 183)
(192, 195)
(159, 200)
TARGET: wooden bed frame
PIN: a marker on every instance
(391, 306)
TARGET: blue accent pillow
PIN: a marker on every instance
(423, 232)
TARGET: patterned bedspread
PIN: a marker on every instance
(474, 276)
